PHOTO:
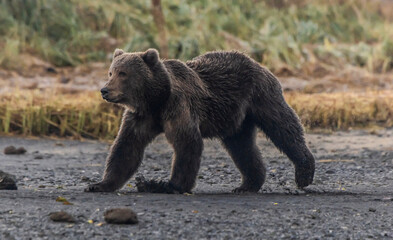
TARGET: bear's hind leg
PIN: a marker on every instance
(244, 152)
(281, 124)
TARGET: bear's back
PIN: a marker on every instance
(185, 81)
(230, 79)
(226, 71)
(218, 88)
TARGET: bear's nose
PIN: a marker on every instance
(104, 92)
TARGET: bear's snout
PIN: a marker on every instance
(104, 93)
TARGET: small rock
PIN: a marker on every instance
(7, 181)
(13, 150)
(85, 179)
(120, 216)
(21, 150)
(330, 172)
(65, 80)
(61, 217)
(387, 199)
(39, 157)
(51, 70)
(372, 209)
(295, 224)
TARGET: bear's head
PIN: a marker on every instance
(138, 80)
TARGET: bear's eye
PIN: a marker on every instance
(110, 74)
(122, 74)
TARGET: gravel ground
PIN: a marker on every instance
(351, 198)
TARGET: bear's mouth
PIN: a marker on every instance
(112, 100)
(119, 100)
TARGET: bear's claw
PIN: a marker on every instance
(243, 189)
(304, 178)
(98, 187)
(154, 186)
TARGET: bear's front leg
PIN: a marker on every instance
(186, 161)
(125, 156)
(188, 145)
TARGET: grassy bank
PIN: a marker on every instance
(87, 115)
(30, 113)
(275, 32)
(342, 111)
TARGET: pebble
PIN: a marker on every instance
(372, 209)
(51, 70)
(65, 80)
(7, 181)
(12, 150)
(85, 179)
(61, 217)
(120, 216)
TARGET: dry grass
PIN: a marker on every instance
(77, 115)
(85, 115)
(343, 110)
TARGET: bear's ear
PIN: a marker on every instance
(150, 56)
(118, 52)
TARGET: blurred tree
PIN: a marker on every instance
(159, 21)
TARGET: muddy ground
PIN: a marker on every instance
(41, 75)
(351, 198)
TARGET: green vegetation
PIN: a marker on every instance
(275, 32)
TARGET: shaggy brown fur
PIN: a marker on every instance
(224, 95)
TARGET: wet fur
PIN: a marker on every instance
(224, 95)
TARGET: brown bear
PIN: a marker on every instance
(224, 95)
